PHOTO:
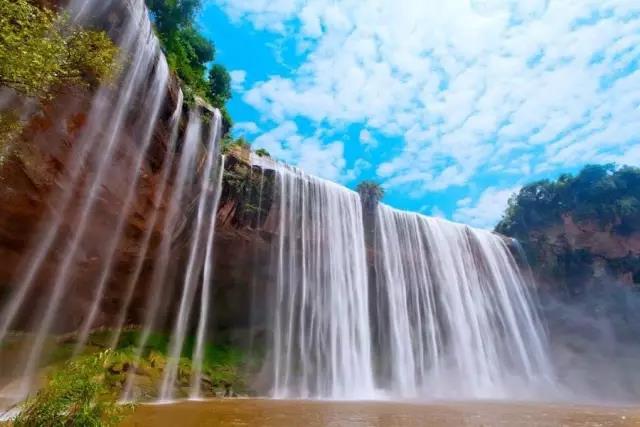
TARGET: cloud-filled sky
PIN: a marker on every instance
(451, 105)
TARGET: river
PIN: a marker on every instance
(291, 413)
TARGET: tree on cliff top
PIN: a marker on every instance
(220, 85)
(189, 53)
(603, 194)
(370, 193)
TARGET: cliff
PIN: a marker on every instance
(580, 232)
(36, 168)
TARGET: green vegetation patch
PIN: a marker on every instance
(40, 51)
(77, 394)
(190, 54)
(603, 194)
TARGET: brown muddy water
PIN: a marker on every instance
(280, 413)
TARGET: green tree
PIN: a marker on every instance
(188, 53)
(227, 121)
(172, 15)
(370, 193)
(602, 194)
(219, 85)
(186, 49)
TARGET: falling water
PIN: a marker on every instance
(321, 339)
(103, 134)
(123, 119)
(162, 274)
(454, 317)
(205, 297)
(200, 258)
(134, 276)
(444, 312)
(431, 309)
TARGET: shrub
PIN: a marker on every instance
(78, 394)
(261, 152)
(41, 50)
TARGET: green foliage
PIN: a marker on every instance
(227, 121)
(220, 85)
(221, 364)
(78, 394)
(171, 15)
(40, 50)
(10, 128)
(251, 189)
(602, 194)
(188, 52)
(156, 342)
(229, 144)
(261, 152)
(370, 193)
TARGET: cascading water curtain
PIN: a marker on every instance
(441, 311)
(454, 316)
(112, 157)
(321, 337)
(145, 80)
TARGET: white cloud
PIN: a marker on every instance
(367, 140)
(437, 212)
(508, 86)
(238, 78)
(487, 210)
(245, 128)
(284, 143)
(359, 166)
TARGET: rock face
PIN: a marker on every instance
(576, 255)
(35, 168)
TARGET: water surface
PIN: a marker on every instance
(280, 413)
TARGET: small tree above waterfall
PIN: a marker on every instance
(370, 193)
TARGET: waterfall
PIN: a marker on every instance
(454, 316)
(321, 337)
(200, 258)
(443, 312)
(424, 309)
(113, 155)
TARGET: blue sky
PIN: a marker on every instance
(450, 105)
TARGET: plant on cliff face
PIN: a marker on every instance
(78, 394)
(40, 50)
(370, 193)
(10, 128)
(261, 152)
